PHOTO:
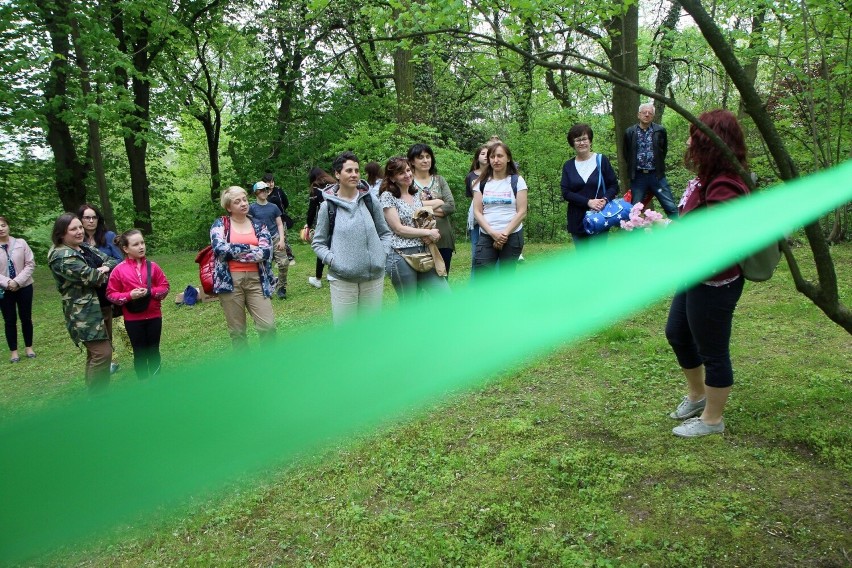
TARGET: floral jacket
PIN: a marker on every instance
(223, 251)
(77, 283)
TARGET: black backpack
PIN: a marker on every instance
(331, 207)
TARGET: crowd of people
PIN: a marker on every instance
(396, 223)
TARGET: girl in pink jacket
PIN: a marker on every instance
(139, 286)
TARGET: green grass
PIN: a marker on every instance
(567, 462)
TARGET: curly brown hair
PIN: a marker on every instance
(704, 156)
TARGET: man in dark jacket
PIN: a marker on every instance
(645, 146)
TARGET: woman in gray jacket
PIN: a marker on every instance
(353, 239)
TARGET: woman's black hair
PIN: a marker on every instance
(577, 131)
(418, 149)
(337, 164)
(60, 227)
(319, 178)
(100, 228)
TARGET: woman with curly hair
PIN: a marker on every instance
(700, 318)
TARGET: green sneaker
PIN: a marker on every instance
(688, 409)
(695, 427)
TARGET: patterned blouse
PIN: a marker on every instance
(406, 217)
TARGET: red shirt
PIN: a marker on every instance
(722, 188)
(129, 275)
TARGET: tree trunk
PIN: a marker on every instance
(136, 121)
(403, 80)
(665, 63)
(624, 58)
(70, 171)
(94, 130)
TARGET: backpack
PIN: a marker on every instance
(332, 213)
(205, 260)
(513, 180)
(190, 296)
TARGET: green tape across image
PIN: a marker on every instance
(81, 467)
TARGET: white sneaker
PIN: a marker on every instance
(315, 282)
(292, 262)
(521, 258)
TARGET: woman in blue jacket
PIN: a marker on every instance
(584, 186)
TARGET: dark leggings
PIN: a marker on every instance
(145, 338)
(447, 255)
(699, 330)
(23, 300)
(318, 272)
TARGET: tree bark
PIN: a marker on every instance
(665, 62)
(623, 55)
(70, 171)
(94, 129)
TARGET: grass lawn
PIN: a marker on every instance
(568, 462)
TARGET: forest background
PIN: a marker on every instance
(150, 107)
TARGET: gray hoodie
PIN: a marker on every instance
(361, 239)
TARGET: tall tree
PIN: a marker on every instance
(70, 170)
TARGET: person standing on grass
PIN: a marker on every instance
(269, 215)
(16, 290)
(318, 180)
(645, 146)
(140, 300)
(279, 198)
(242, 276)
(700, 318)
(480, 160)
(356, 246)
(433, 186)
(500, 207)
(400, 200)
(80, 271)
(98, 236)
(585, 185)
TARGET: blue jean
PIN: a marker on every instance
(643, 183)
(485, 256)
(699, 330)
(408, 282)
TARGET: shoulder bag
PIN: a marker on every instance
(610, 216)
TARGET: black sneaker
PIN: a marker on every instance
(282, 293)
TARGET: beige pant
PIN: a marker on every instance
(98, 358)
(349, 298)
(247, 295)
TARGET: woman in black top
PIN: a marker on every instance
(318, 180)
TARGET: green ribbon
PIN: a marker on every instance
(76, 469)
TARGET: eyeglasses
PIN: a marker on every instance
(90, 217)
(583, 139)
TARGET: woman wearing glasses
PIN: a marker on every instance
(584, 186)
(96, 234)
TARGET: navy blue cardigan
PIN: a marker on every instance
(577, 192)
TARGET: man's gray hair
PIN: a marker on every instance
(647, 105)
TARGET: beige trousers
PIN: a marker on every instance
(247, 295)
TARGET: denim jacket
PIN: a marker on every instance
(224, 251)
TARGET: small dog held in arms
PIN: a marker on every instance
(424, 218)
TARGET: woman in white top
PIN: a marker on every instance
(480, 160)
(500, 206)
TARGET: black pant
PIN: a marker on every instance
(485, 256)
(699, 330)
(145, 339)
(23, 300)
(447, 255)
(318, 271)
